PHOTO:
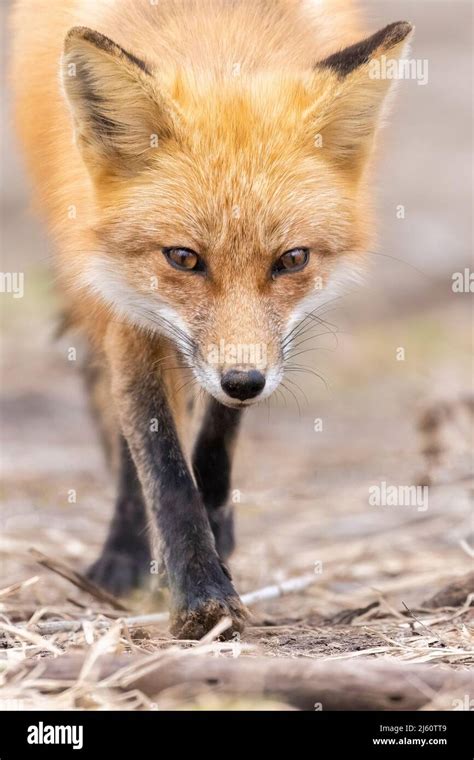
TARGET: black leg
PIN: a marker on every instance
(125, 561)
(200, 585)
(212, 463)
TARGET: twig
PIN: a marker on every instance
(291, 586)
(420, 622)
(77, 579)
(465, 547)
(73, 626)
(263, 594)
(223, 624)
(335, 685)
(8, 590)
(32, 638)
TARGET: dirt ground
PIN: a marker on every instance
(302, 507)
(305, 464)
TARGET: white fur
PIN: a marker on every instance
(345, 274)
(102, 276)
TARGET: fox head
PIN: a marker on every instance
(227, 206)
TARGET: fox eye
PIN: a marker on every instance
(184, 259)
(291, 261)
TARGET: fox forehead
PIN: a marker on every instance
(259, 183)
(246, 172)
(252, 136)
(263, 213)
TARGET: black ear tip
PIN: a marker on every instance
(345, 61)
(397, 32)
(102, 43)
(81, 33)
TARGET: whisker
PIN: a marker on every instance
(294, 396)
(298, 387)
(311, 337)
(307, 370)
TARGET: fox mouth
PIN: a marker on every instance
(239, 404)
(234, 403)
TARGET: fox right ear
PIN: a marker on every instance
(348, 111)
(118, 113)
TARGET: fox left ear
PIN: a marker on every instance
(352, 89)
(117, 109)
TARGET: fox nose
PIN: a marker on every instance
(242, 384)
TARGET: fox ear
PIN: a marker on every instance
(118, 113)
(353, 90)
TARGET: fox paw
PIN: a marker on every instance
(195, 623)
(120, 573)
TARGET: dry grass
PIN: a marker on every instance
(441, 636)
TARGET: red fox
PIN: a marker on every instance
(203, 168)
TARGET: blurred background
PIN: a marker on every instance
(301, 486)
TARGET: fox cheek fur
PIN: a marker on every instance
(174, 151)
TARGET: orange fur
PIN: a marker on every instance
(236, 103)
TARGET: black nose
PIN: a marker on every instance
(242, 384)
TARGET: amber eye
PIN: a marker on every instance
(184, 259)
(291, 261)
